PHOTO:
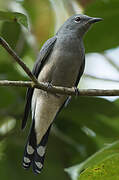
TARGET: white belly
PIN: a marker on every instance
(46, 108)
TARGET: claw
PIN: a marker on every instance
(76, 91)
(49, 85)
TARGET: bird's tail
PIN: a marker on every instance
(34, 153)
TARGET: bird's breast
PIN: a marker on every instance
(67, 66)
(62, 66)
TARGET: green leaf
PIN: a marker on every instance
(14, 17)
(93, 113)
(108, 170)
(104, 164)
(6, 125)
(12, 36)
(86, 124)
(103, 35)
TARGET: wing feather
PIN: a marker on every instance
(42, 58)
(81, 70)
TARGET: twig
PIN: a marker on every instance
(62, 90)
(16, 83)
(44, 86)
(18, 60)
(99, 78)
(110, 61)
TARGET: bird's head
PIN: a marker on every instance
(79, 24)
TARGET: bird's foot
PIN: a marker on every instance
(49, 85)
(76, 91)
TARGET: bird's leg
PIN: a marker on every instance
(67, 101)
(76, 91)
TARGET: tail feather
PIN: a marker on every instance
(37, 163)
(29, 148)
(27, 158)
(34, 154)
(39, 154)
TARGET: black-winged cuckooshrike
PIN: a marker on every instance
(60, 62)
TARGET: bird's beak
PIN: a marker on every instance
(94, 20)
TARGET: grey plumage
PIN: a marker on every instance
(61, 62)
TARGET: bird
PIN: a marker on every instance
(61, 62)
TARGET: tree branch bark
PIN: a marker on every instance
(44, 86)
(61, 90)
(99, 78)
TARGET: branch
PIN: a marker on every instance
(110, 61)
(99, 78)
(17, 59)
(44, 86)
(61, 90)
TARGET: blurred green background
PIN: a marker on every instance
(85, 134)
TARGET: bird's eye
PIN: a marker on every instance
(77, 19)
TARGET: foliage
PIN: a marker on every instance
(82, 129)
(105, 33)
(14, 17)
(103, 164)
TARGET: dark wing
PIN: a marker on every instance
(81, 70)
(44, 53)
